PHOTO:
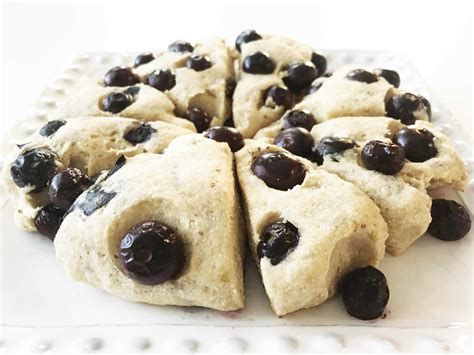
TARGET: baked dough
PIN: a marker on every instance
(191, 189)
(91, 144)
(340, 229)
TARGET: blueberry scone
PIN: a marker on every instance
(306, 227)
(273, 72)
(53, 166)
(128, 98)
(163, 229)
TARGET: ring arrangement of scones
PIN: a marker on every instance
(152, 179)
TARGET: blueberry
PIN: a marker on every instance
(94, 199)
(180, 47)
(277, 241)
(151, 253)
(116, 102)
(121, 76)
(162, 80)
(278, 96)
(48, 220)
(33, 168)
(66, 186)
(362, 76)
(51, 127)
(118, 165)
(427, 105)
(314, 87)
(417, 143)
(230, 86)
(299, 77)
(387, 158)
(258, 63)
(328, 146)
(226, 134)
(296, 140)
(198, 63)
(450, 221)
(279, 170)
(405, 107)
(319, 62)
(143, 59)
(298, 118)
(245, 37)
(139, 134)
(364, 292)
(199, 117)
(390, 75)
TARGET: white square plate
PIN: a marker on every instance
(430, 306)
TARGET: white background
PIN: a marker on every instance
(39, 39)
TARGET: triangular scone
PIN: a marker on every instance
(147, 104)
(339, 229)
(205, 89)
(191, 189)
(252, 109)
(91, 144)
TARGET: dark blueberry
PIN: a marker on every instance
(139, 134)
(299, 77)
(151, 253)
(364, 292)
(297, 118)
(229, 122)
(51, 127)
(230, 86)
(417, 143)
(328, 146)
(121, 76)
(319, 62)
(226, 134)
(296, 140)
(390, 75)
(362, 75)
(94, 199)
(404, 107)
(387, 158)
(277, 241)
(162, 80)
(33, 168)
(66, 186)
(278, 96)
(48, 220)
(200, 118)
(116, 102)
(245, 37)
(118, 165)
(279, 170)
(427, 106)
(314, 87)
(133, 90)
(258, 63)
(180, 47)
(327, 75)
(199, 63)
(450, 221)
(143, 59)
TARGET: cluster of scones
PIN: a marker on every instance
(150, 179)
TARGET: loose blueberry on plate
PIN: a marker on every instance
(417, 143)
(161, 80)
(225, 134)
(143, 59)
(427, 105)
(390, 75)
(279, 170)
(328, 146)
(362, 76)
(296, 140)
(230, 86)
(199, 117)
(387, 158)
(94, 199)
(151, 253)
(299, 77)
(121, 76)
(66, 186)
(405, 107)
(258, 63)
(139, 134)
(51, 127)
(180, 47)
(245, 37)
(314, 87)
(33, 168)
(198, 62)
(48, 220)
(298, 118)
(319, 62)
(278, 96)
(116, 102)
(364, 292)
(450, 220)
(277, 241)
